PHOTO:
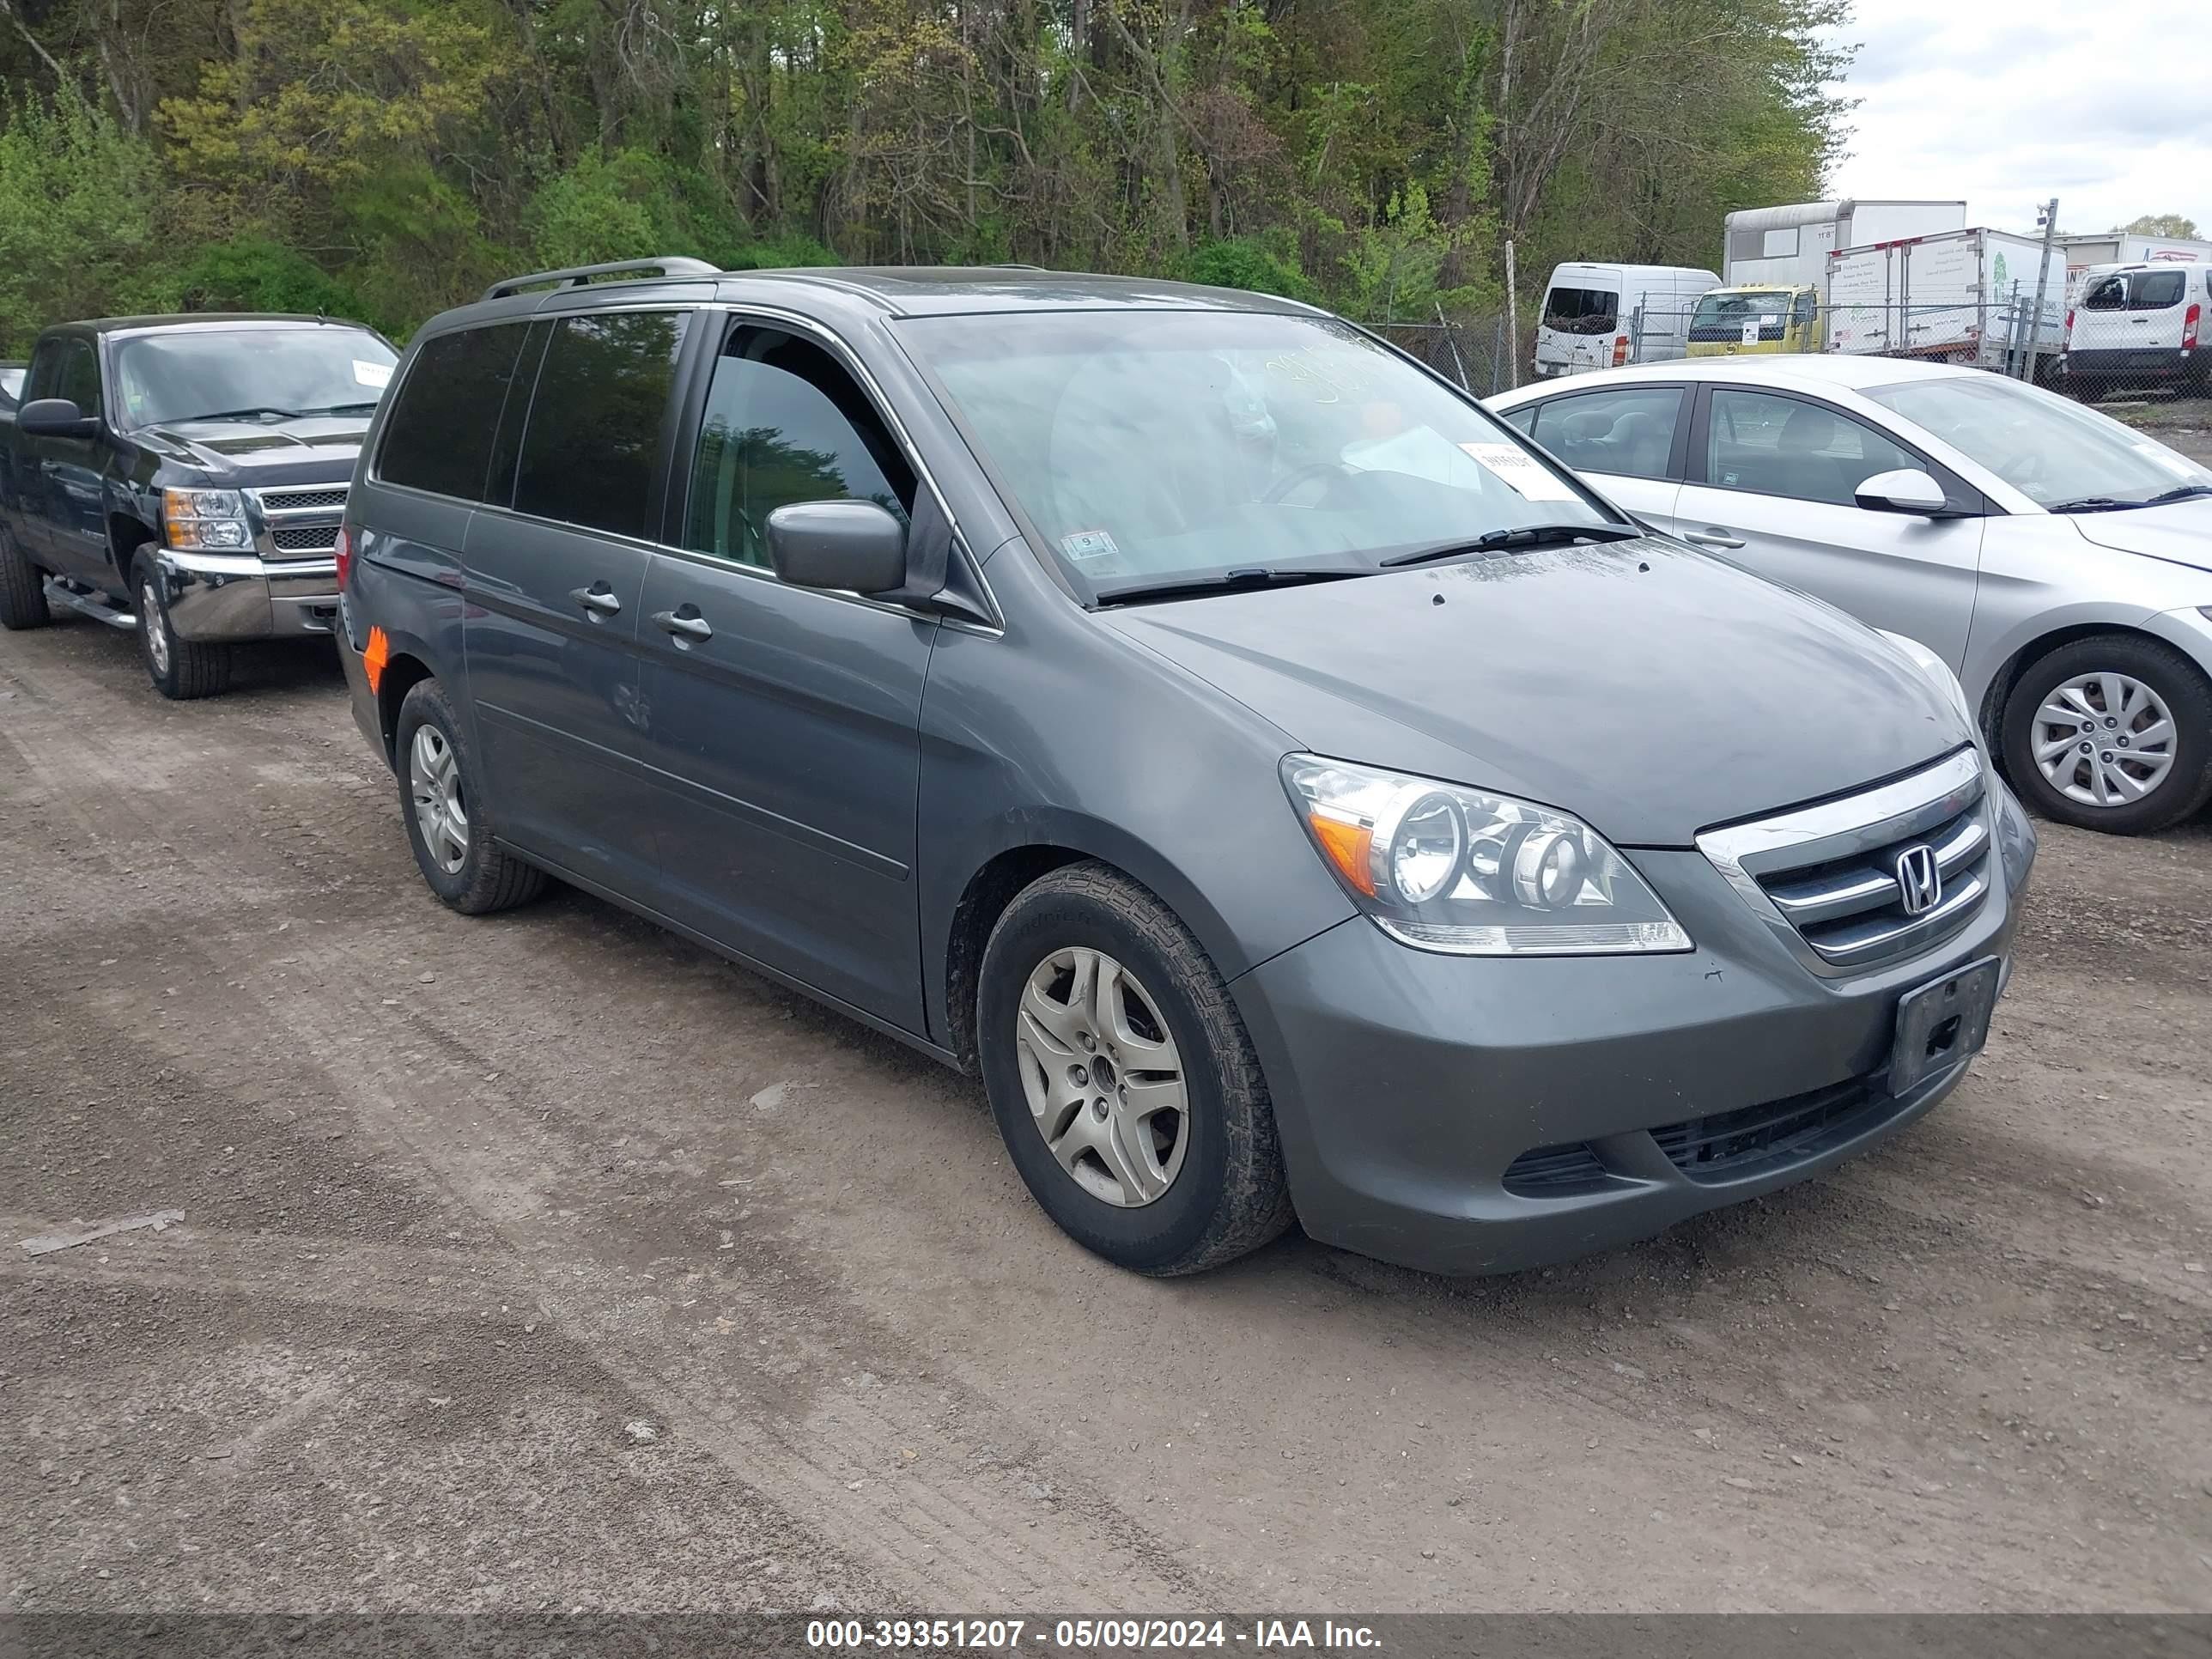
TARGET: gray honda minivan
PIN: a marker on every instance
(1293, 794)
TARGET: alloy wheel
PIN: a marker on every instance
(151, 625)
(434, 779)
(2104, 739)
(1104, 1078)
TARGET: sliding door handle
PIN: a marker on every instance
(685, 624)
(598, 598)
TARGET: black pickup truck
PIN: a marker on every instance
(185, 477)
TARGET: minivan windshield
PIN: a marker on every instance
(251, 373)
(2060, 455)
(1154, 447)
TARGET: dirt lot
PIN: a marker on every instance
(545, 1263)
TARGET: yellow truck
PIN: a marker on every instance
(1754, 317)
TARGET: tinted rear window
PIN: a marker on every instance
(1581, 310)
(593, 443)
(439, 435)
(2154, 290)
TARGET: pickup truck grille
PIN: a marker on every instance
(300, 523)
(1875, 877)
(304, 538)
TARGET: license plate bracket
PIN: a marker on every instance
(1943, 1023)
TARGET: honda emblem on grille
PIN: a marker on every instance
(1919, 881)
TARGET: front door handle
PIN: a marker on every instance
(1712, 536)
(685, 624)
(597, 597)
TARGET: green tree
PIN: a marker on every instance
(79, 216)
(2161, 224)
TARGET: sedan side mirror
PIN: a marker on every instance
(1908, 489)
(56, 417)
(856, 546)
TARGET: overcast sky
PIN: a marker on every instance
(2100, 104)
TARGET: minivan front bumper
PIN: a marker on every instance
(1408, 1083)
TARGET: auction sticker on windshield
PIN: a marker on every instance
(1526, 474)
(1088, 545)
(376, 374)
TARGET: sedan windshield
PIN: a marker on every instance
(2060, 455)
(1153, 448)
(251, 373)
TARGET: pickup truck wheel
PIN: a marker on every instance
(443, 806)
(1124, 1081)
(2112, 732)
(180, 669)
(22, 588)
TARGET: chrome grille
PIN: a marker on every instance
(289, 500)
(1831, 875)
(298, 523)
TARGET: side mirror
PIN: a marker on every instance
(1908, 489)
(56, 417)
(856, 546)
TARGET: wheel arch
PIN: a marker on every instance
(404, 669)
(2008, 674)
(955, 955)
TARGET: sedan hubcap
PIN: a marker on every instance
(149, 624)
(433, 778)
(2104, 739)
(1102, 1076)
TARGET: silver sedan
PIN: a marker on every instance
(2060, 561)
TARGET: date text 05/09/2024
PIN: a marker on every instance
(1088, 1635)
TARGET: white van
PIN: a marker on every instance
(1598, 316)
(2139, 325)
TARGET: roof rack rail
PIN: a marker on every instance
(577, 276)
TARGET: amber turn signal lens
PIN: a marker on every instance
(1350, 848)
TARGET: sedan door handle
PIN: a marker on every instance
(598, 596)
(686, 623)
(1712, 536)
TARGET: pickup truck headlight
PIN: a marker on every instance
(205, 521)
(1470, 873)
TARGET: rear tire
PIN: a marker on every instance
(2152, 686)
(22, 588)
(441, 802)
(1217, 1169)
(181, 670)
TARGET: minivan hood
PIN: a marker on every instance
(1650, 690)
(2179, 533)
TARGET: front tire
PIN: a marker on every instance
(2112, 732)
(181, 669)
(22, 588)
(1122, 1078)
(441, 802)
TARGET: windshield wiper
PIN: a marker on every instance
(369, 408)
(2109, 504)
(1526, 535)
(2179, 492)
(1225, 581)
(254, 414)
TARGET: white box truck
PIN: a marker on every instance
(2128, 248)
(1790, 244)
(1963, 296)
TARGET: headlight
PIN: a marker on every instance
(1472, 873)
(205, 520)
(1937, 669)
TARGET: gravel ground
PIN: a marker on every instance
(544, 1261)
